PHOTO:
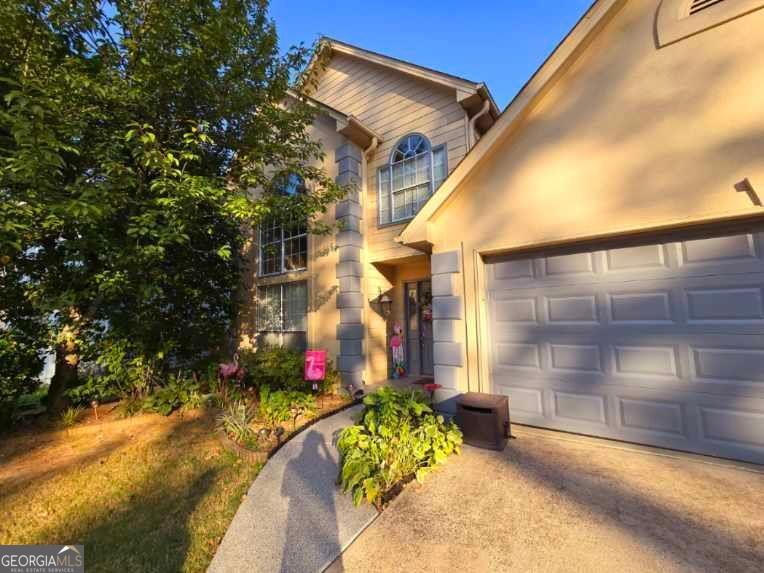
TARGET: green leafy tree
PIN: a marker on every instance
(132, 136)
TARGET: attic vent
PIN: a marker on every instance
(700, 5)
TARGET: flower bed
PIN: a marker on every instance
(397, 438)
(268, 446)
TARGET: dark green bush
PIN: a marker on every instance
(178, 391)
(284, 369)
(20, 364)
(277, 368)
(397, 437)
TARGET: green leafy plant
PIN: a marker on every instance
(332, 381)
(236, 421)
(225, 392)
(179, 391)
(397, 437)
(274, 407)
(277, 368)
(70, 416)
(300, 404)
(131, 134)
(130, 406)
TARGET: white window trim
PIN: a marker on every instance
(281, 287)
(282, 255)
(675, 23)
(389, 168)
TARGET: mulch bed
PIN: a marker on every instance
(274, 445)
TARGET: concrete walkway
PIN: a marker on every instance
(294, 518)
(556, 502)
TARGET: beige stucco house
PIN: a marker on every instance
(595, 251)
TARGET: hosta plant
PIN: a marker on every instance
(278, 407)
(397, 437)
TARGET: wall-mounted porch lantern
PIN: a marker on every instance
(386, 305)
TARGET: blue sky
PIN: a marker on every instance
(500, 42)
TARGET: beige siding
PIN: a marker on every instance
(393, 104)
(320, 275)
(631, 138)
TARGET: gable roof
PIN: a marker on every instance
(466, 89)
(566, 52)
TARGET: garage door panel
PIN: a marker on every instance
(572, 309)
(725, 304)
(641, 307)
(654, 416)
(567, 265)
(518, 355)
(527, 403)
(579, 406)
(738, 251)
(520, 310)
(576, 358)
(660, 344)
(736, 427)
(644, 361)
(728, 366)
(635, 259)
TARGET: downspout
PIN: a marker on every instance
(364, 283)
(473, 120)
(372, 147)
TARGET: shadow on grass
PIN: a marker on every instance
(146, 522)
(32, 475)
(150, 535)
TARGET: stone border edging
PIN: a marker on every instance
(260, 457)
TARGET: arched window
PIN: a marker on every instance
(414, 171)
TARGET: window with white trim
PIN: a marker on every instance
(282, 307)
(414, 171)
(284, 246)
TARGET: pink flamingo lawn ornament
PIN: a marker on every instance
(231, 370)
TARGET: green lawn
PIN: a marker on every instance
(143, 494)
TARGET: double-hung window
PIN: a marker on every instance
(282, 313)
(284, 245)
(414, 171)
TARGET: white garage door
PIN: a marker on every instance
(658, 344)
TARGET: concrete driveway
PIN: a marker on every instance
(557, 502)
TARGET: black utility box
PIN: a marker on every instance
(483, 419)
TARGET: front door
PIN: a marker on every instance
(419, 327)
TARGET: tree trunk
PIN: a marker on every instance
(65, 376)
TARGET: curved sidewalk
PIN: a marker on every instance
(294, 517)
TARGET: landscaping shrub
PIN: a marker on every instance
(236, 421)
(284, 369)
(277, 368)
(300, 404)
(274, 407)
(70, 416)
(179, 391)
(20, 364)
(397, 438)
(278, 407)
(332, 382)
